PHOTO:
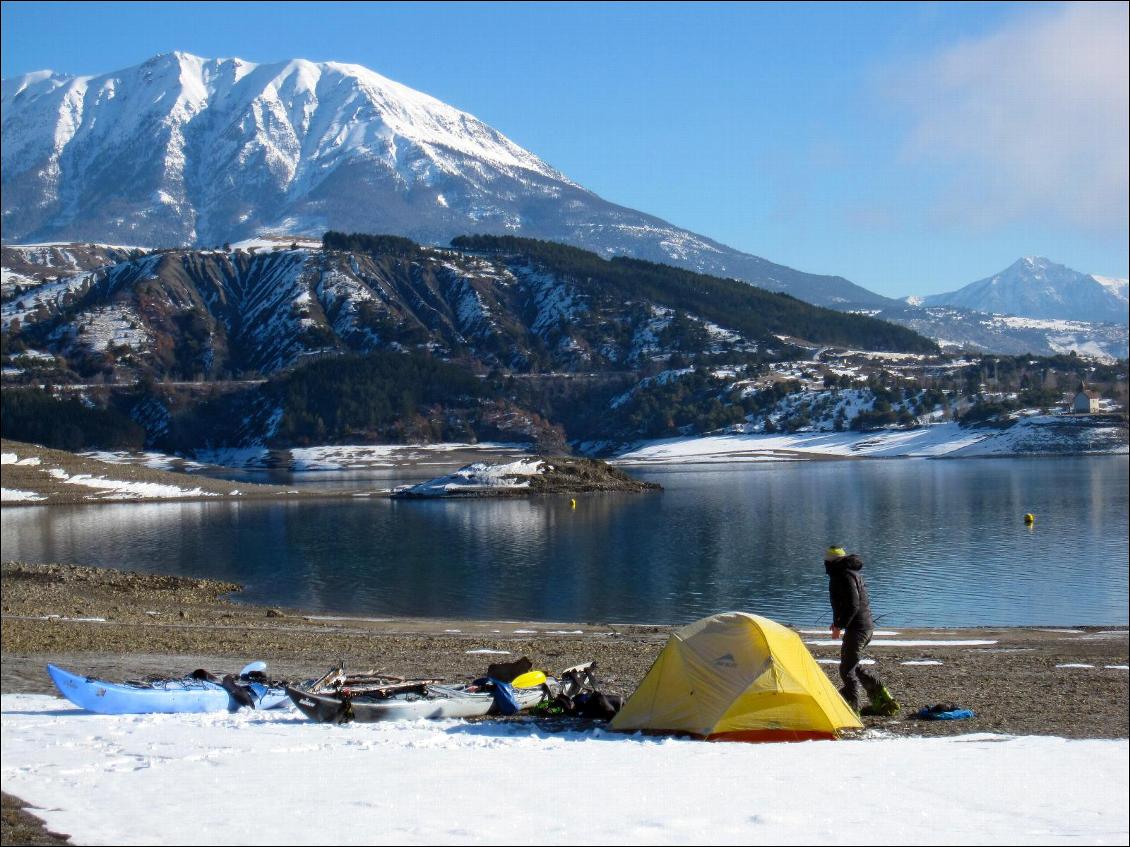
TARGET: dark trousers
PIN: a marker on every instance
(851, 672)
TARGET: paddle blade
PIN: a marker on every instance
(530, 679)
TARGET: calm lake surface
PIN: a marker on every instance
(943, 541)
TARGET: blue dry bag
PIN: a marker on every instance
(505, 703)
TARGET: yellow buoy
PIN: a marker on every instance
(573, 503)
(1029, 518)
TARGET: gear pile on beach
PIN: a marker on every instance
(733, 676)
(340, 697)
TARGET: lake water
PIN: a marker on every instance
(943, 541)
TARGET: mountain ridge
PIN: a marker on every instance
(186, 151)
(516, 304)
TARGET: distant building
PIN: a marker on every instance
(1086, 402)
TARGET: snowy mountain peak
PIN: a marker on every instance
(1037, 287)
(1032, 268)
(185, 150)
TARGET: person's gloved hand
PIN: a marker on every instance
(836, 633)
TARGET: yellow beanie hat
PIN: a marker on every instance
(834, 553)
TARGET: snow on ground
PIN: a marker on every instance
(332, 457)
(150, 459)
(1032, 435)
(103, 327)
(122, 490)
(107, 489)
(934, 440)
(271, 243)
(479, 476)
(13, 459)
(25, 305)
(198, 779)
(837, 661)
(33, 355)
(17, 495)
(119, 489)
(349, 457)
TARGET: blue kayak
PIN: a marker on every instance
(167, 696)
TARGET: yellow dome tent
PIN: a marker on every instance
(740, 677)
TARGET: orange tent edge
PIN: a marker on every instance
(748, 736)
(755, 736)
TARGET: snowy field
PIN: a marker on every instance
(276, 778)
(1032, 435)
(102, 488)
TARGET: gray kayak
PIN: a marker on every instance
(427, 702)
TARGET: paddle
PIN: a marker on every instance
(530, 679)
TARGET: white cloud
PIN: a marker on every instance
(1032, 118)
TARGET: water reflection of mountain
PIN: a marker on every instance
(942, 540)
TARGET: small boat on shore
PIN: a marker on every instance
(197, 692)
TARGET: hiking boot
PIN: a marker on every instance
(882, 705)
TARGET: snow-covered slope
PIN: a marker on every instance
(26, 266)
(1035, 435)
(183, 150)
(1035, 287)
(216, 313)
(1120, 288)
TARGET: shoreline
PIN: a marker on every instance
(220, 490)
(1068, 682)
(39, 476)
(42, 476)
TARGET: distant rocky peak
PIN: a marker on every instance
(1037, 287)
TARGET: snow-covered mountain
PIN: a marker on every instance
(183, 150)
(1034, 287)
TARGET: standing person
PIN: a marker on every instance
(851, 616)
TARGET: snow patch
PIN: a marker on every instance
(142, 779)
(16, 495)
(912, 642)
(122, 490)
(479, 476)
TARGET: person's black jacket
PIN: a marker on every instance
(851, 608)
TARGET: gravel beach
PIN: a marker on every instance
(1068, 681)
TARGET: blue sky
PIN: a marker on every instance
(912, 148)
